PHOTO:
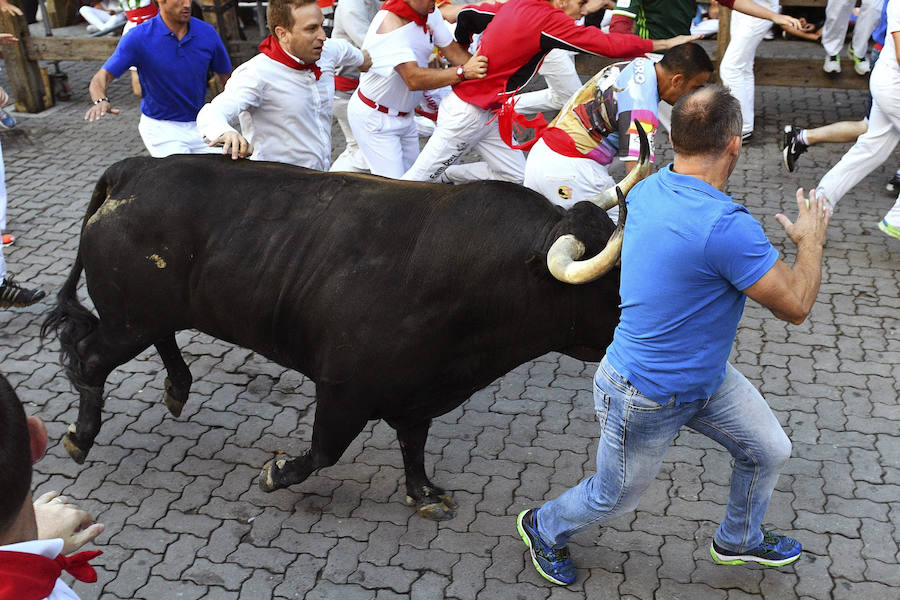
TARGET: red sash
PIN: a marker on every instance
(402, 9)
(345, 84)
(271, 48)
(144, 13)
(508, 120)
(26, 576)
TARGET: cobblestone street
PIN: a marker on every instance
(186, 520)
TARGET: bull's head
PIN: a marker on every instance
(562, 258)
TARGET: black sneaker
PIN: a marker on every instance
(893, 186)
(791, 147)
(12, 294)
(774, 551)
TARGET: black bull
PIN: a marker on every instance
(398, 299)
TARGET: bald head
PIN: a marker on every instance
(705, 121)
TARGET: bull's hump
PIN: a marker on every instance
(109, 207)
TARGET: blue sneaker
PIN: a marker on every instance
(6, 120)
(553, 564)
(774, 551)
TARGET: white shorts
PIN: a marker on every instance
(163, 138)
(564, 180)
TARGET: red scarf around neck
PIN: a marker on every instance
(271, 48)
(402, 9)
(26, 576)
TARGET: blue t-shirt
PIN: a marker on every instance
(881, 31)
(688, 253)
(173, 72)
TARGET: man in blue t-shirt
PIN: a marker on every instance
(690, 258)
(173, 53)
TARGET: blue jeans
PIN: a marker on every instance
(635, 432)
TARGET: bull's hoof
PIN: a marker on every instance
(435, 511)
(175, 406)
(71, 446)
(269, 475)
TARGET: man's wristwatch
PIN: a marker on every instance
(461, 72)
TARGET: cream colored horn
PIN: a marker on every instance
(562, 258)
(607, 198)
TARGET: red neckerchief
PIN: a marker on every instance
(402, 9)
(271, 48)
(26, 576)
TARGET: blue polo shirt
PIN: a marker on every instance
(173, 72)
(688, 253)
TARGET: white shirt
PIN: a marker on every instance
(50, 549)
(409, 43)
(351, 21)
(285, 113)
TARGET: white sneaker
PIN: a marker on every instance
(860, 65)
(832, 64)
(92, 28)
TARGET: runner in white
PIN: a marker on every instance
(874, 146)
(283, 96)
(351, 22)
(400, 40)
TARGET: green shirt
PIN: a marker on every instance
(658, 19)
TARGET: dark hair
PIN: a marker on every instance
(688, 59)
(280, 13)
(15, 456)
(705, 120)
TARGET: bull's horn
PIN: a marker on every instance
(607, 198)
(562, 258)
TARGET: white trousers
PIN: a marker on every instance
(101, 19)
(164, 138)
(351, 159)
(564, 180)
(460, 127)
(389, 143)
(558, 69)
(736, 69)
(837, 19)
(871, 148)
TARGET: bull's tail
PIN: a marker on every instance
(70, 320)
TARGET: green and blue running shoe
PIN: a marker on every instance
(774, 551)
(889, 229)
(553, 564)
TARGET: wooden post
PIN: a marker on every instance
(724, 35)
(24, 74)
(222, 15)
(62, 12)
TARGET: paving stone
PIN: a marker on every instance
(133, 573)
(178, 556)
(468, 577)
(227, 575)
(395, 578)
(157, 587)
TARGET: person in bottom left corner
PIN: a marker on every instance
(35, 537)
(11, 293)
